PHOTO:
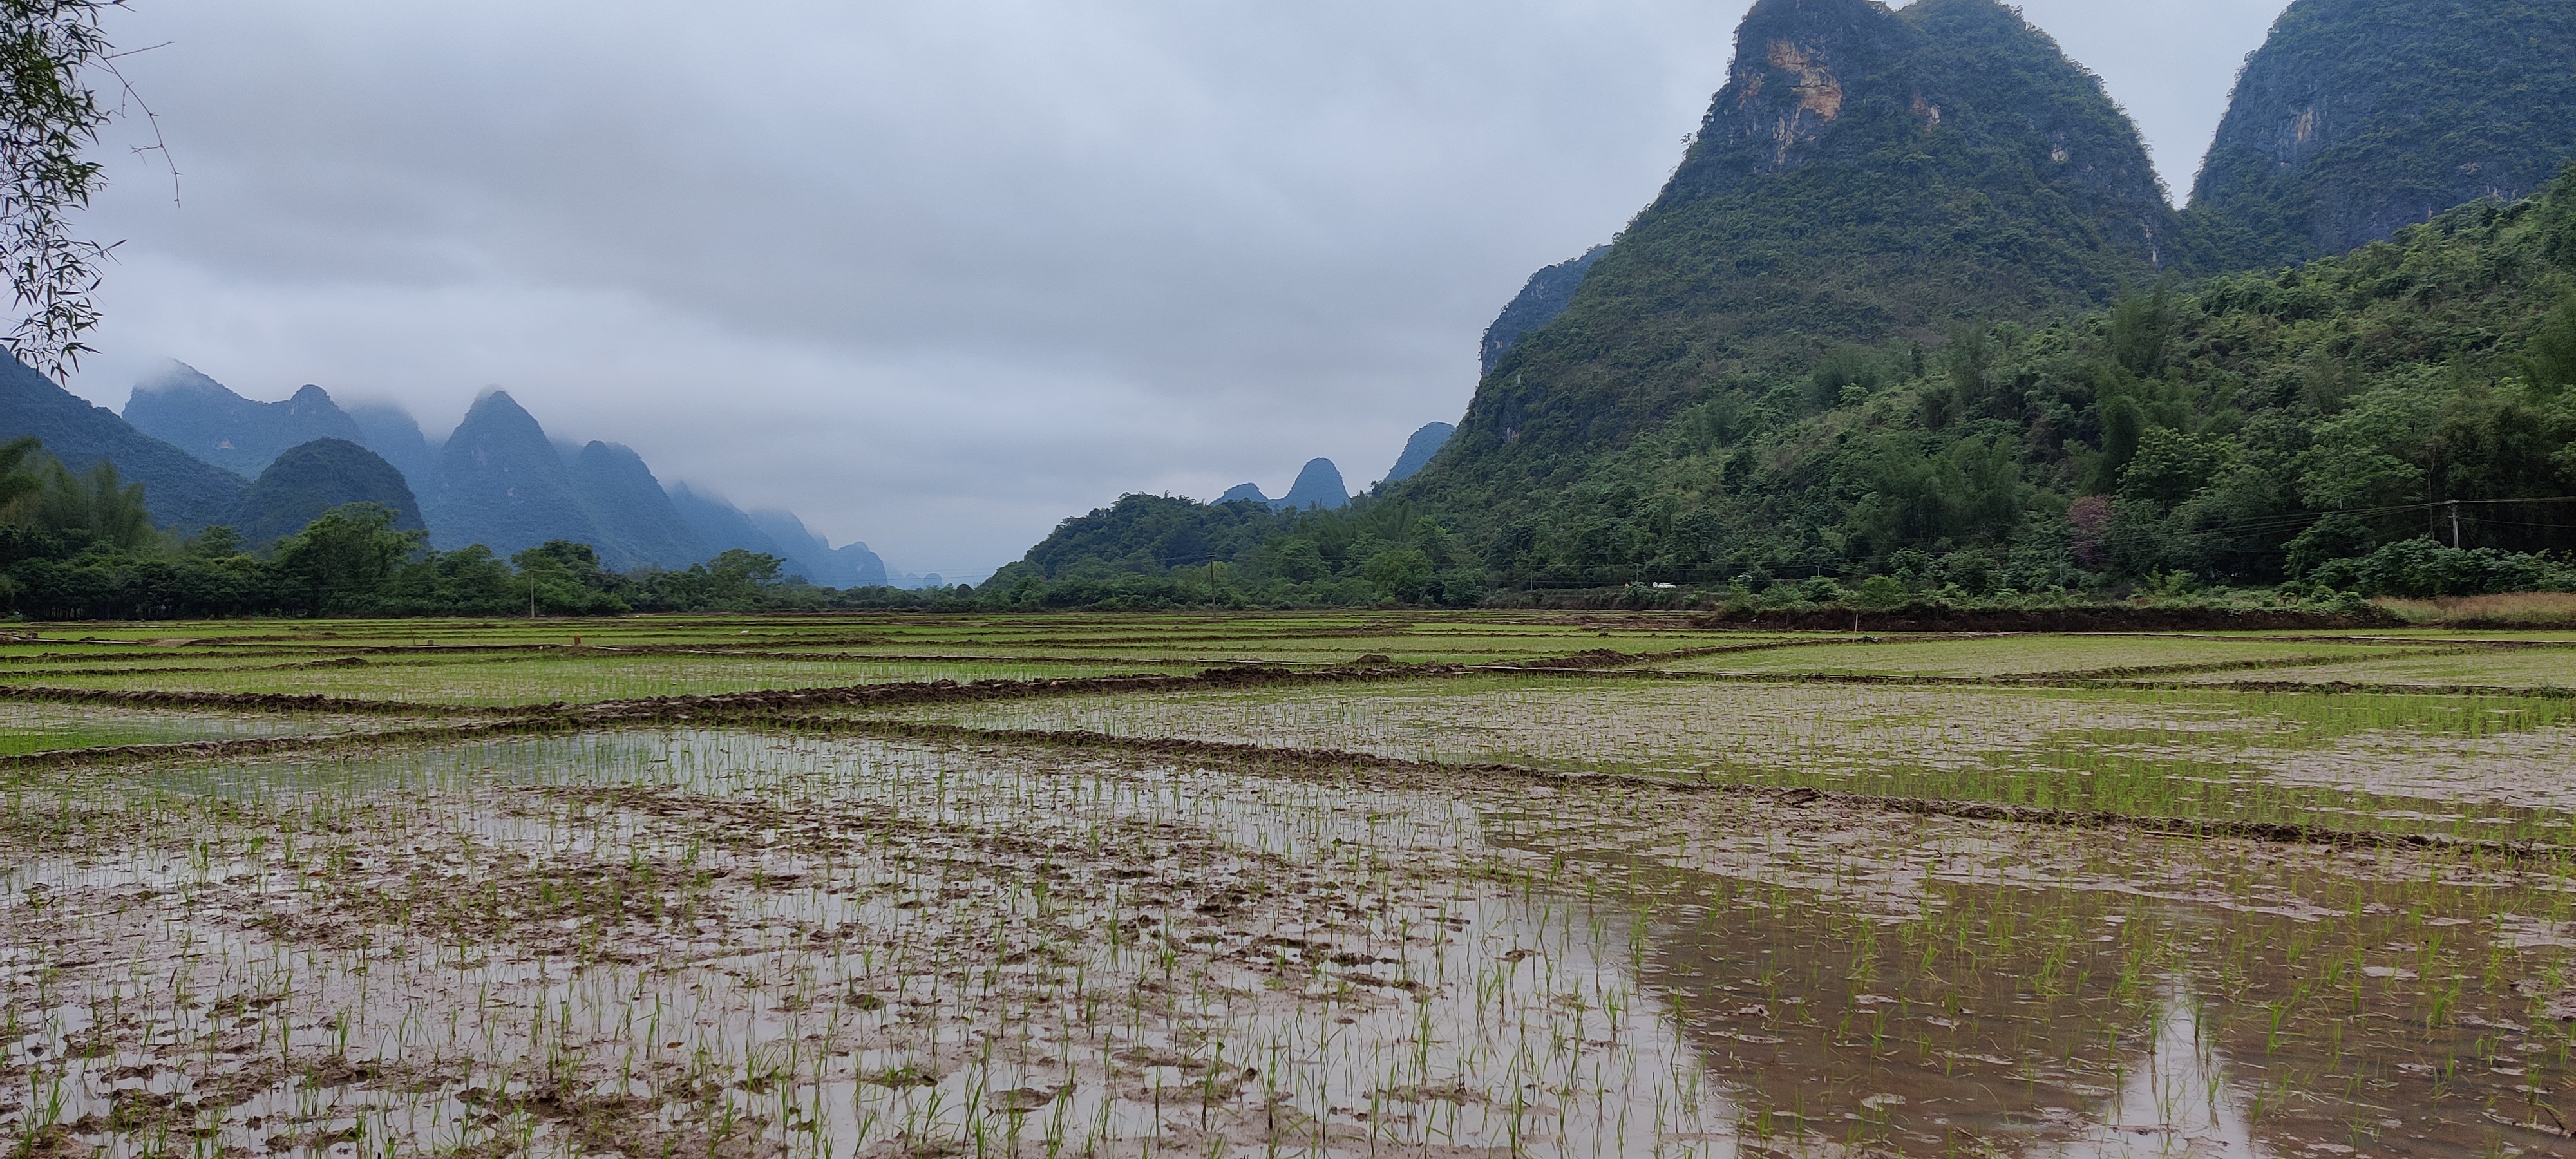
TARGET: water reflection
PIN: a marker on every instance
(2176, 1100)
(1931, 1017)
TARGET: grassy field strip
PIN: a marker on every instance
(2062, 683)
(749, 706)
(362, 738)
(2552, 668)
(2007, 655)
(1270, 757)
(585, 676)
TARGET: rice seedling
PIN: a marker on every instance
(749, 929)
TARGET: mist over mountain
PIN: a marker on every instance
(2359, 117)
(637, 522)
(391, 432)
(203, 417)
(306, 480)
(502, 484)
(721, 525)
(183, 492)
(850, 565)
(1541, 299)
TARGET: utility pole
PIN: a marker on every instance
(532, 595)
(2455, 525)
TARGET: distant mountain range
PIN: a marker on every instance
(1319, 484)
(196, 414)
(497, 480)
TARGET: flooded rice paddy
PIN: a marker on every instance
(1353, 932)
(2497, 767)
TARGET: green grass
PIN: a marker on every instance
(2024, 655)
(2533, 668)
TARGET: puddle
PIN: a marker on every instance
(738, 944)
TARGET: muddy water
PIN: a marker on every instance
(1923, 1000)
(731, 943)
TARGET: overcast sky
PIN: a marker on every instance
(933, 273)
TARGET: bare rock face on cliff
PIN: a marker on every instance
(1866, 176)
(2358, 118)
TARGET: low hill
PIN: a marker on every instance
(1149, 535)
(307, 480)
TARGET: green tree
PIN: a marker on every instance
(49, 118)
(2551, 361)
(100, 506)
(562, 577)
(1404, 573)
(20, 473)
(217, 542)
(342, 559)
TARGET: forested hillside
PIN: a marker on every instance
(2245, 429)
(1864, 176)
(2359, 117)
(2300, 425)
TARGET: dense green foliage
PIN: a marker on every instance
(1151, 551)
(2247, 429)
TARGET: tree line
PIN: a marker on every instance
(81, 545)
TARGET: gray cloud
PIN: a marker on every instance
(934, 273)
